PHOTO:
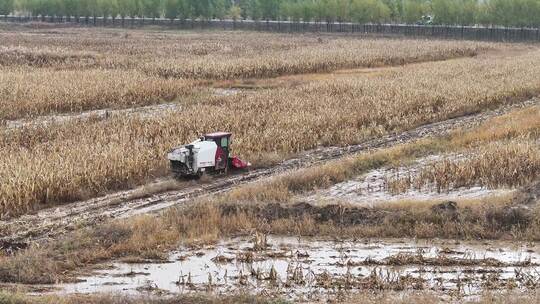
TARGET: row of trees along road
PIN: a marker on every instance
(521, 13)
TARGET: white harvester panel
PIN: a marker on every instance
(203, 155)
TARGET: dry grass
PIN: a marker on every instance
(14, 298)
(205, 222)
(332, 55)
(283, 187)
(208, 220)
(502, 152)
(143, 237)
(71, 70)
(95, 68)
(381, 297)
(92, 155)
(35, 266)
(523, 124)
(501, 164)
(487, 218)
(39, 57)
(492, 163)
(33, 92)
(424, 297)
(191, 52)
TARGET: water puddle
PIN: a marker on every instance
(312, 270)
(372, 188)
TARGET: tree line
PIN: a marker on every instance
(521, 13)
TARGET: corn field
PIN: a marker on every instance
(503, 152)
(501, 164)
(34, 92)
(85, 69)
(58, 163)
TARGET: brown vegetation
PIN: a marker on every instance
(283, 187)
(381, 297)
(332, 55)
(97, 68)
(502, 152)
(33, 92)
(504, 164)
(521, 124)
(92, 155)
(149, 237)
(42, 165)
(13, 298)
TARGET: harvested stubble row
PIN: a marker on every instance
(97, 156)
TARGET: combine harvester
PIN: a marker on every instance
(208, 154)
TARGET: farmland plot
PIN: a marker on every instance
(361, 138)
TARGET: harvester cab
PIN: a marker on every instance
(208, 154)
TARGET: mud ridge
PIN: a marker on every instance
(349, 216)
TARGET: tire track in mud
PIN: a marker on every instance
(100, 114)
(53, 222)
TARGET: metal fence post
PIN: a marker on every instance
(489, 33)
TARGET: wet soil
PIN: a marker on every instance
(318, 269)
(101, 114)
(53, 222)
(348, 216)
(372, 188)
(43, 121)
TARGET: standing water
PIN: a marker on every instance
(308, 269)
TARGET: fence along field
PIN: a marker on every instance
(500, 34)
(300, 15)
(89, 158)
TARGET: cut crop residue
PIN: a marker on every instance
(310, 270)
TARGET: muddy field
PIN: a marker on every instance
(319, 270)
(375, 187)
(379, 166)
(57, 221)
